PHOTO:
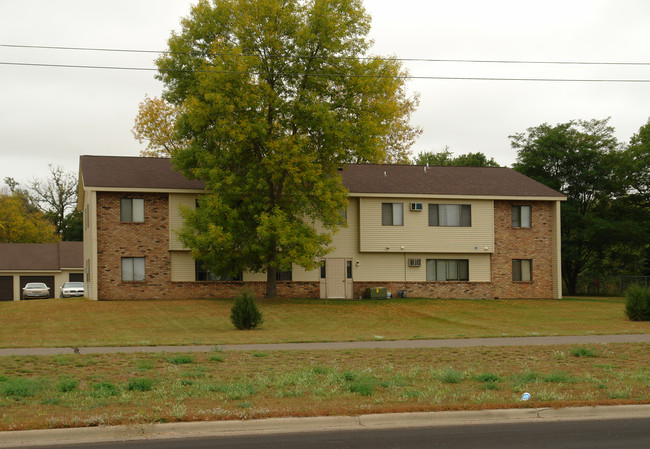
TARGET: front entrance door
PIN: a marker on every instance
(335, 277)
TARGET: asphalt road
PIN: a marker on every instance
(593, 434)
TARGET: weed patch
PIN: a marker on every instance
(180, 359)
(140, 384)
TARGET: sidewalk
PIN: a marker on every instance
(376, 344)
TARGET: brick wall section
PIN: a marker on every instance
(523, 243)
(149, 239)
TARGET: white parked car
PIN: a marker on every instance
(36, 290)
(72, 289)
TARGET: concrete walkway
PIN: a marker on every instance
(376, 344)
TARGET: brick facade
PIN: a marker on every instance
(150, 239)
(534, 243)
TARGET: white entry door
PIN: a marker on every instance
(335, 277)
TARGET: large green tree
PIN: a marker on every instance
(269, 99)
(579, 158)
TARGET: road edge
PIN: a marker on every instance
(35, 438)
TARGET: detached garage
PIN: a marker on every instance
(50, 263)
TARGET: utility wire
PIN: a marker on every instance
(473, 61)
(331, 75)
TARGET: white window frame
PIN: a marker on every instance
(522, 270)
(396, 215)
(133, 269)
(447, 270)
(521, 216)
(132, 210)
(450, 215)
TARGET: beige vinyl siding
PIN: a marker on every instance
(417, 236)
(182, 266)
(394, 267)
(90, 244)
(176, 202)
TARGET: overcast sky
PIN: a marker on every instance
(53, 115)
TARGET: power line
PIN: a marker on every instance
(453, 60)
(332, 75)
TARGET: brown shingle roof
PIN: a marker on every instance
(133, 172)
(466, 181)
(157, 173)
(41, 256)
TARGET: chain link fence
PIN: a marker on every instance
(611, 286)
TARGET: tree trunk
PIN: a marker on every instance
(271, 286)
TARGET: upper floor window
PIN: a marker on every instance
(450, 215)
(133, 269)
(132, 210)
(447, 270)
(521, 216)
(392, 214)
(204, 274)
(522, 270)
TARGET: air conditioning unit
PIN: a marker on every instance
(416, 207)
(415, 262)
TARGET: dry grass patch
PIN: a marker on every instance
(81, 390)
(80, 322)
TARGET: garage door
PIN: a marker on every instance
(76, 277)
(47, 280)
(6, 288)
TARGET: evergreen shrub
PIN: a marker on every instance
(244, 313)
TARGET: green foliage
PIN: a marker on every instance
(104, 389)
(446, 158)
(67, 384)
(281, 96)
(245, 313)
(20, 222)
(637, 303)
(180, 359)
(19, 387)
(449, 376)
(140, 384)
(488, 377)
(583, 352)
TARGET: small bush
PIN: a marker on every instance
(244, 313)
(488, 377)
(450, 376)
(180, 359)
(216, 358)
(105, 389)
(583, 352)
(67, 385)
(140, 384)
(637, 303)
(363, 387)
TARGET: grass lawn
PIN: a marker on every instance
(81, 322)
(90, 390)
